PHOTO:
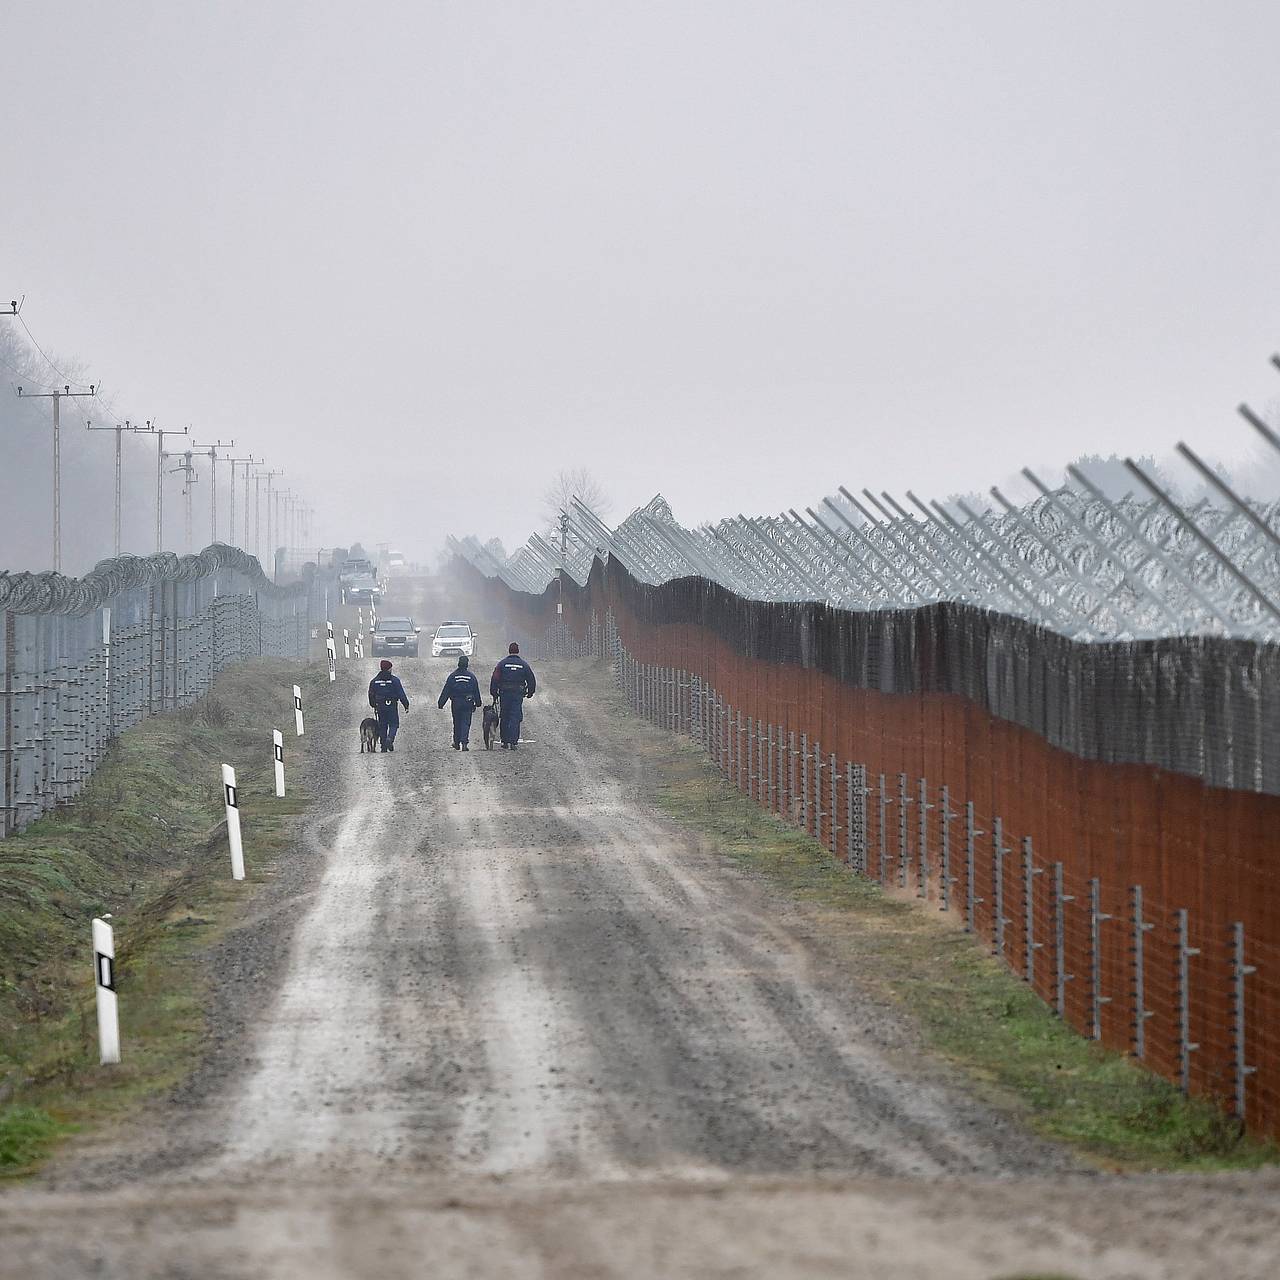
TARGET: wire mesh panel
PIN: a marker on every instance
(82, 659)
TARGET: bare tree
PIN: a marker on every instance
(575, 483)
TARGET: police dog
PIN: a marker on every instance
(490, 725)
(368, 734)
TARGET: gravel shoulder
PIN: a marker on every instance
(501, 1014)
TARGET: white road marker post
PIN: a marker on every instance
(104, 977)
(333, 659)
(297, 709)
(277, 750)
(233, 821)
(346, 644)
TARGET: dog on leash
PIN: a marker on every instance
(368, 734)
(490, 725)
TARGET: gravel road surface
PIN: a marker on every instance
(499, 1019)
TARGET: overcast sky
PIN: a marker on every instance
(422, 255)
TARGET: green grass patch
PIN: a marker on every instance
(26, 1134)
(970, 1007)
(146, 842)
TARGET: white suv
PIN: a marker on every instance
(453, 639)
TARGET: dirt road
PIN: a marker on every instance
(501, 1020)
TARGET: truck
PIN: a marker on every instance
(359, 582)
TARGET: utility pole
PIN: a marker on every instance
(268, 476)
(283, 501)
(189, 477)
(286, 524)
(245, 544)
(232, 514)
(56, 397)
(211, 451)
(120, 428)
(152, 429)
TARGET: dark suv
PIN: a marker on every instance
(395, 635)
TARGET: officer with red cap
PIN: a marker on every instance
(386, 697)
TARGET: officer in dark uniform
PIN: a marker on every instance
(463, 690)
(512, 682)
(386, 697)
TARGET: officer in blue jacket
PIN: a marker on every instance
(386, 697)
(463, 690)
(512, 682)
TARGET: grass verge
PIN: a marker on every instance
(970, 1008)
(145, 841)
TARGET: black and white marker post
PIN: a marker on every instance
(233, 822)
(333, 661)
(277, 750)
(346, 644)
(104, 977)
(297, 709)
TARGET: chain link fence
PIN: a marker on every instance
(82, 659)
(1106, 830)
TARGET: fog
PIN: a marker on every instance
(422, 257)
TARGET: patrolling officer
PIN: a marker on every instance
(512, 682)
(386, 697)
(463, 690)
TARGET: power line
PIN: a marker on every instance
(65, 377)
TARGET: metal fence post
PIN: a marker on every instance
(1185, 1045)
(1031, 946)
(1096, 917)
(1061, 976)
(946, 879)
(791, 791)
(970, 866)
(904, 852)
(922, 839)
(883, 802)
(818, 814)
(771, 793)
(997, 876)
(1239, 971)
(834, 775)
(783, 799)
(804, 782)
(1137, 948)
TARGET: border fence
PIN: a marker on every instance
(1103, 817)
(82, 659)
